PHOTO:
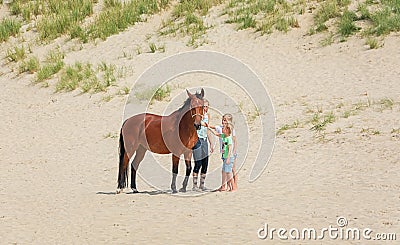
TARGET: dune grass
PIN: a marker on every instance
(54, 18)
(117, 16)
(31, 66)
(264, 16)
(16, 54)
(87, 78)
(155, 93)
(379, 18)
(319, 120)
(9, 27)
(187, 20)
(53, 64)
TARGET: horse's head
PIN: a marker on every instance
(196, 107)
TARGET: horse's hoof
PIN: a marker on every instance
(182, 189)
(118, 191)
(174, 191)
(134, 190)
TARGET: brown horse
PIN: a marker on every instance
(175, 133)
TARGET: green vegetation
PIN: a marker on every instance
(372, 43)
(162, 93)
(379, 18)
(264, 16)
(156, 93)
(53, 18)
(31, 66)
(53, 64)
(117, 16)
(56, 18)
(285, 127)
(16, 54)
(187, 20)
(84, 76)
(9, 27)
(319, 122)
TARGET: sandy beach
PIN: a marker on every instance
(59, 151)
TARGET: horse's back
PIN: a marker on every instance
(145, 129)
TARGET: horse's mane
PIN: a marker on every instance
(187, 101)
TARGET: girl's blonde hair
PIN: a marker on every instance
(229, 126)
(228, 117)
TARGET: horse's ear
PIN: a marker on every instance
(189, 94)
(202, 92)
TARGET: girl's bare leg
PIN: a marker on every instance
(235, 178)
(229, 181)
(223, 185)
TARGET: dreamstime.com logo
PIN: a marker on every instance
(236, 74)
(340, 232)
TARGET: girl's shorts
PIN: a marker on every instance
(227, 168)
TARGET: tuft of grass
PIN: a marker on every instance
(109, 78)
(338, 131)
(152, 94)
(263, 16)
(63, 17)
(395, 131)
(327, 10)
(370, 131)
(152, 47)
(187, 20)
(286, 127)
(31, 66)
(162, 93)
(87, 78)
(118, 16)
(74, 76)
(53, 64)
(372, 43)
(16, 54)
(124, 91)
(386, 20)
(328, 40)
(386, 103)
(9, 27)
(111, 135)
(346, 23)
(320, 123)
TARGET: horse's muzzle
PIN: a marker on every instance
(197, 126)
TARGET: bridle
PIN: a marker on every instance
(196, 114)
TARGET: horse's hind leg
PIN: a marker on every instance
(122, 175)
(140, 152)
(188, 163)
(175, 164)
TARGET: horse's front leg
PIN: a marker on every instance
(175, 165)
(188, 157)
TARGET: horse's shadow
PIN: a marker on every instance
(155, 192)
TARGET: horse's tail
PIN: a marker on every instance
(123, 167)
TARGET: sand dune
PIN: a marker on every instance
(59, 156)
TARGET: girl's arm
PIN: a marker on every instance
(210, 141)
(210, 126)
(214, 132)
(229, 153)
(234, 145)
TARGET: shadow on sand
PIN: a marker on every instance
(155, 192)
